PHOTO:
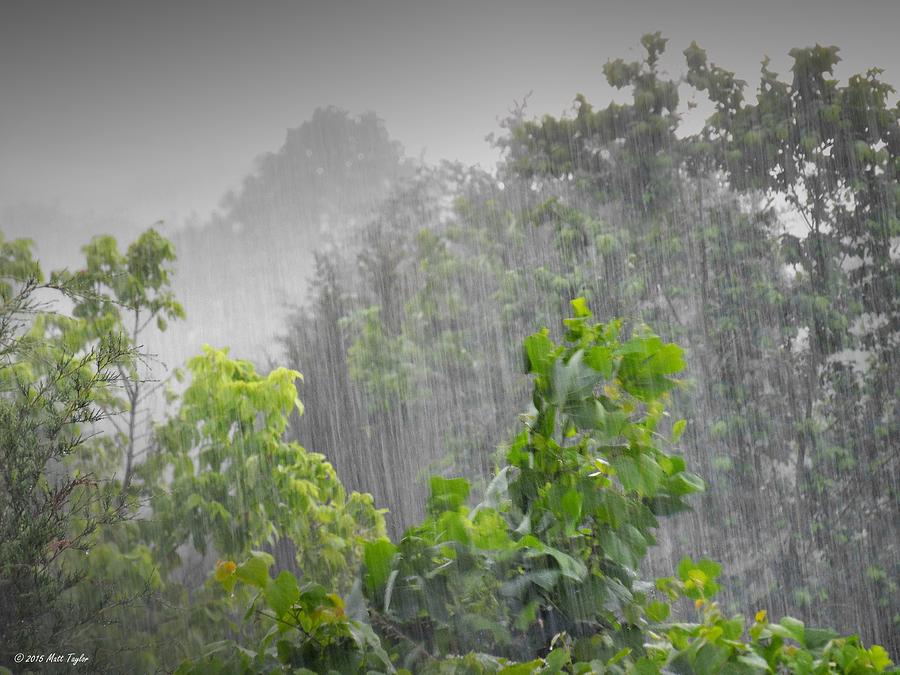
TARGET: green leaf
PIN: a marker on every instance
(556, 660)
(755, 661)
(667, 360)
(796, 628)
(685, 483)
(678, 430)
(588, 414)
(666, 505)
(628, 474)
(644, 666)
(818, 637)
(571, 507)
(615, 549)
(657, 611)
(600, 359)
(454, 526)
(572, 381)
(699, 575)
(490, 530)
(710, 568)
(378, 557)
(447, 494)
(579, 306)
(710, 658)
(568, 566)
(225, 574)
(538, 353)
(281, 593)
(255, 571)
(519, 585)
(389, 589)
(651, 474)
(879, 657)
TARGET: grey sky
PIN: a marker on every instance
(150, 110)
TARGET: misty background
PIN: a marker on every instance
(116, 116)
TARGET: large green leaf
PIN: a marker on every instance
(282, 592)
(447, 494)
(255, 570)
(378, 557)
(539, 351)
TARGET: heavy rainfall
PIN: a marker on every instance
(614, 392)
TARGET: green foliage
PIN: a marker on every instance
(555, 545)
(409, 347)
(545, 568)
(792, 384)
(717, 644)
(136, 281)
(376, 360)
(53, 390)
(310, 630)
(830, 151)
(790, 313)
(237, 485)
(126, 293)
(636, 137)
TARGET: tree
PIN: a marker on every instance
(128, 292)
(57, 381)
(830, 151)
(638, 168)
(237, 485)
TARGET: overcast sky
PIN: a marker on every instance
(153, 109)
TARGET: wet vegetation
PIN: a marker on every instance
(755, 424)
